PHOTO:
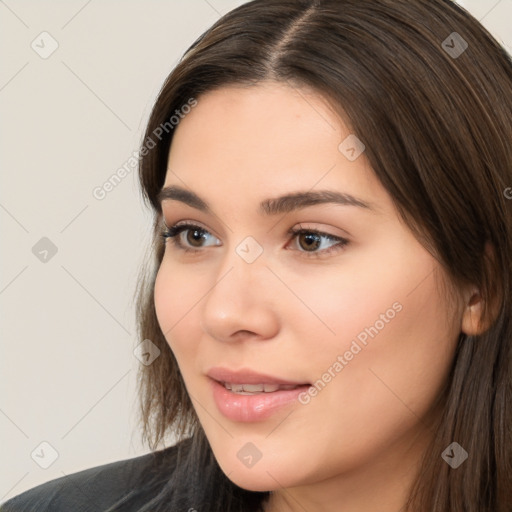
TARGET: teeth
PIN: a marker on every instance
(250, 389)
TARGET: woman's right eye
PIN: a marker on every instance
(193, 235)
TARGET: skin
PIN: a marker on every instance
(358, 442)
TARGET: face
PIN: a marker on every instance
(349, 309)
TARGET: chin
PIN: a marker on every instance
(257, 482)
(262, 476)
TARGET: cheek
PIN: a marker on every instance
(176, 294)
(386, 301)
(396, 340)
(390, 385)
(411, 359)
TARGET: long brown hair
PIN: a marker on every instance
(434, 110)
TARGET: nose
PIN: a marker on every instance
(242, 301)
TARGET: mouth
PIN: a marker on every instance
(248, 396)
(254, 389)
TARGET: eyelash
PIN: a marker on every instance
(173, 233)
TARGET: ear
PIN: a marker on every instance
(473, 322)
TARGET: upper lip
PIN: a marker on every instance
(247, 376)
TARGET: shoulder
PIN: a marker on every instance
(97, 488)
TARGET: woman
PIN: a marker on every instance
(331, 183)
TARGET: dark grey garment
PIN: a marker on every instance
(118, 485)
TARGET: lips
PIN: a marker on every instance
(248, 407)
(248, 396)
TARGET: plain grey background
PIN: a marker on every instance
(71, 116)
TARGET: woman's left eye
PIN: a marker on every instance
(310, 241)
(313, 239)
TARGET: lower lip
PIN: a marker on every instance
(247, 408)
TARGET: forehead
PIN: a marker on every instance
(255, 142)
(262, 122)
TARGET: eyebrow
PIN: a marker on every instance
(272, 206)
